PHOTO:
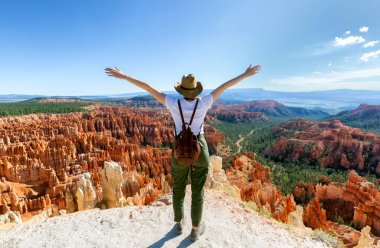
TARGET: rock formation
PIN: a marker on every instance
(365, 117)
(47, 155)
(223, 113)
(216, 175)
(10, 217)
(217, 179)
(84, 192)
(328, 144)
(255, 185)
(315, 217)
(303, 192)
(112, 177)
(357, 202)
(270, 108)
(295, 218)
(365, 240)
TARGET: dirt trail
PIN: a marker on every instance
(228, 224)
(241, 138)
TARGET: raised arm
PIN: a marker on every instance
(115, 72)
(248, 73)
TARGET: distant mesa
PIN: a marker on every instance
(275, 109)
(60, 100)
(331, 101)
(142, 102)
(240, 112)
(365, 116)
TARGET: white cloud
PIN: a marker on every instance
(364, 29)
(348, 32)
(330, 64)
(365, 57)
(371, 43)
(348, 41)
(354, 79)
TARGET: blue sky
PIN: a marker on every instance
(61, 47)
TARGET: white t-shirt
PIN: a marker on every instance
(204, 104)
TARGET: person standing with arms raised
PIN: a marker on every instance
(192, 107)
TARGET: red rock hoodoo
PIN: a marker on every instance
(328, 144)
(357, 202)
(42, 155)
(255, 185)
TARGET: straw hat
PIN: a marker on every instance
(189, 87)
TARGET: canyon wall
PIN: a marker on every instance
(255, 185)
(327, 144)
(340, 209)
(356, 203)
(57, 159)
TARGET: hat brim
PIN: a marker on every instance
(189, 93)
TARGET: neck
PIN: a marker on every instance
(189, 99)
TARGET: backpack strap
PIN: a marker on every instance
(195, 108)
(180, 111)
(175, 129)
(192, 116)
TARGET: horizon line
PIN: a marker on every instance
(172, 91)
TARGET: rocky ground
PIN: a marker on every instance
(228, 224)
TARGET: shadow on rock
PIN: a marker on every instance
(186, 242)
(170, 235)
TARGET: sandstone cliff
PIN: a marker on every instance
(357, 202)
(228, 224)
(50, 155)
(328, 144)
(255, 185)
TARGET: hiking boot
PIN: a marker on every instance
(195, 234)
(179, 226)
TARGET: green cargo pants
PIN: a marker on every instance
(198, 175)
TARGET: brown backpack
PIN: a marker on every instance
(187, 147)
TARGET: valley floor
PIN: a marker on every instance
(228, 224)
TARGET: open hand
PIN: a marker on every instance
(252, 70)
(115, 72)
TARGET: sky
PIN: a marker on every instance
(62, 47)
